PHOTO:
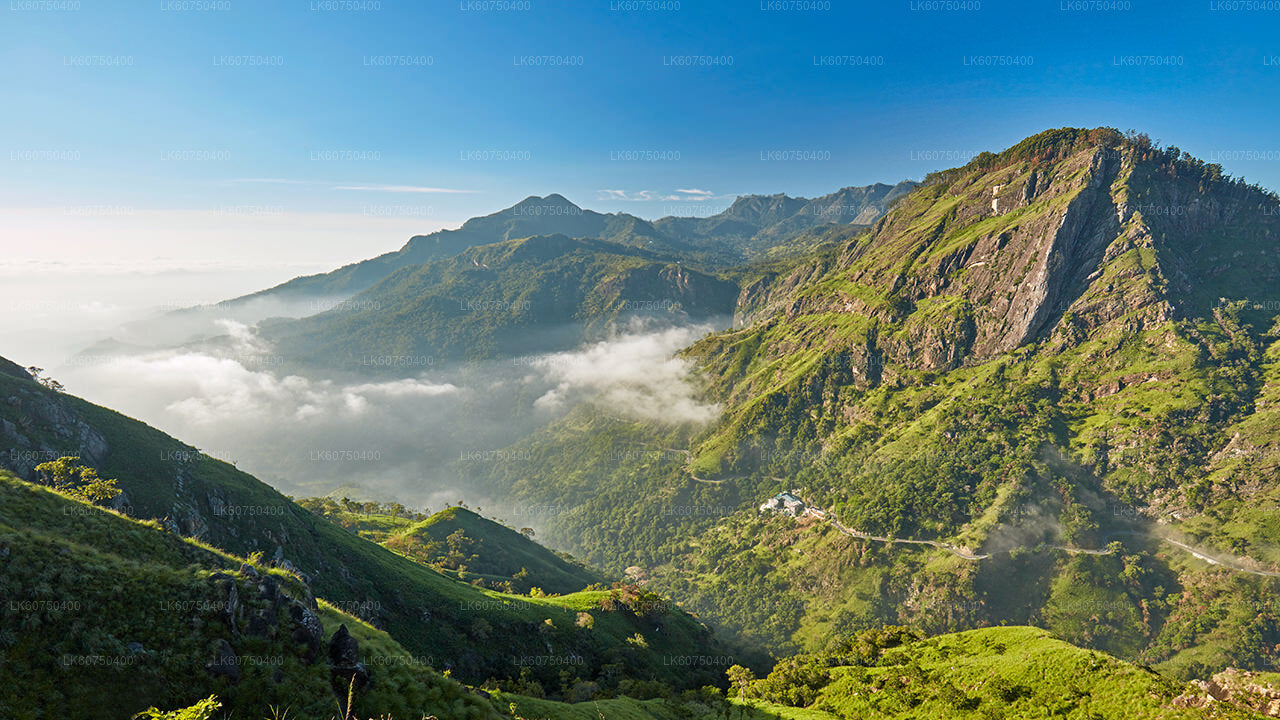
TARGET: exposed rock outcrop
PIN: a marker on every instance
(344, 659)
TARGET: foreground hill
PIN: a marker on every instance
(103, 606)
(1011, 672)
(1060, 348)
(474, 633)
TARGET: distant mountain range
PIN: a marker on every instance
(752, 225)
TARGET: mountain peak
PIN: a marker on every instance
(554, 200)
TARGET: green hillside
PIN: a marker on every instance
(102, 606)
(472, 545)
(474, 633)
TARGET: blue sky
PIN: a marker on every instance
(312, 133)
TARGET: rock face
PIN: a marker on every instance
(254, 604)
(309, 633)
(229, 604)
(46, 428)
(1084, 240)
(1238, 687)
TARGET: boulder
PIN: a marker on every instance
(225, 662)
(309, 633)
(344, 660)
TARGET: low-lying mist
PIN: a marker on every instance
(390, 437)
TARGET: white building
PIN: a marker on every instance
(784, 502)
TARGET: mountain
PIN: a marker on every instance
(1058, 363)
(515, 297)
(534, 215)
(752, 224)
(471, 632)
(756, 225)
(520, 295)
(851, 206)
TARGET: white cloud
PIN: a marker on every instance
(397, 438)
(636, 374)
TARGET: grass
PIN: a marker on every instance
(101, 605)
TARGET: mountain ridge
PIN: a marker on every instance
(555, 214)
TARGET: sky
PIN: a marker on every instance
(165, 153)
(237, 143)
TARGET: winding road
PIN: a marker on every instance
(967, 555)
(960, 552)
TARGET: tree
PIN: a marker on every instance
(78, 480)
(740, 677)
(46, 381)
(460, 547)
(527, 532)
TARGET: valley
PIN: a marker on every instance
(1000, 437)
(639, 360)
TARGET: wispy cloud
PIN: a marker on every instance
(401, 189)
(680, 195)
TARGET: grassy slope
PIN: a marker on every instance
(500, 552)
(473, 632)
(497, 554)
(1011, 672)
(82, 584)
